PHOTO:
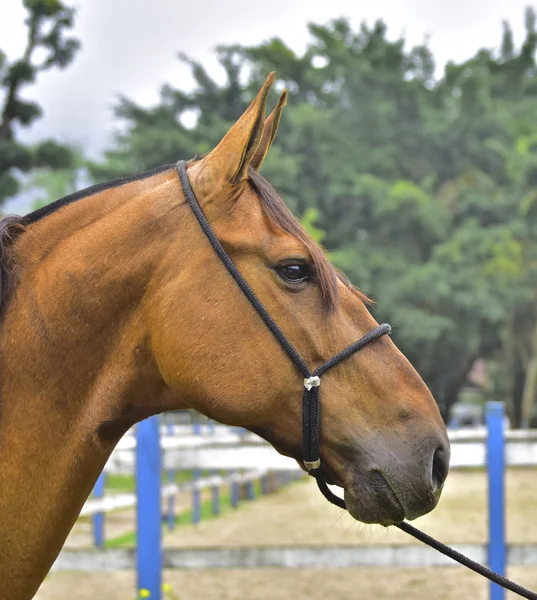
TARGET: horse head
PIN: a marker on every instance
(382, 437)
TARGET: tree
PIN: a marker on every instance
(48, 185)
(47, 23)
(422, 190)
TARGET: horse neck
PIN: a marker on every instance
(75, 363)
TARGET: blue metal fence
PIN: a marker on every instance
(496, 493)
(170, 476)
(98, 518)
(148, 469)
(148, 489)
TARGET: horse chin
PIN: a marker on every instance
(374, 502)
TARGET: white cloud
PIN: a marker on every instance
(130, 46)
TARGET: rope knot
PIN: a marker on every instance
(311, 382)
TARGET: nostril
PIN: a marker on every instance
(440, 468)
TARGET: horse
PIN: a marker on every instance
(114, 308)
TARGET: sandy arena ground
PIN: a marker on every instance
(299, 515)
(287, 584)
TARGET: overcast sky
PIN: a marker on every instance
(130, 46)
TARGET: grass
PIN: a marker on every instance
(129, 539)
(115, 484)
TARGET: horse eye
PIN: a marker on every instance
(294, 272)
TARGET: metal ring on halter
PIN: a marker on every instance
(311, 405)
(311, 382)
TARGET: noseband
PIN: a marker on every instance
(311, 423)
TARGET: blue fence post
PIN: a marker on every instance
(235, 492)
(98, 518)
(250, 490)
(264, 485)
(148, 469)
(215, 489)
(170, 478)
(496, 493)
(196, 493)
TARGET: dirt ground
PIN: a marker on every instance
(300, 515)
(297, 584)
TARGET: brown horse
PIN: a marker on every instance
(116, 308)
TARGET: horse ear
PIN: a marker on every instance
(228, 163)
(269, 132)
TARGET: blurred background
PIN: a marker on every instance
(408, 149)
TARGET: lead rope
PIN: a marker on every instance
(311, 402)
(430, 541)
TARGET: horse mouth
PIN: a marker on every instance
(388, 498)
(375, 502)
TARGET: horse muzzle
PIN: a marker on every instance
(399, 487)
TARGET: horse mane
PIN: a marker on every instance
(273, 206)
(10, 228)
(279, 214)
(48, 209)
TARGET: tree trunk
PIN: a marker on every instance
(512, 369)
(530, 385)
(452, 388)
(518, 390)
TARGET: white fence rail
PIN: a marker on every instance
(290, 557)
(224, 450)
(112, 502)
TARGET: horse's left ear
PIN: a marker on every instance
(228, 163)
(269, 132)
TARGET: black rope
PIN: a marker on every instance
(436, 545)
(235, 273)
(311, 424)
(311, 400)
(467, 562)
(363, 341)
(311, 417)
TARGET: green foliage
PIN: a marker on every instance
(47, 22)
(54, 182)
(424, 191)
(308, 222)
